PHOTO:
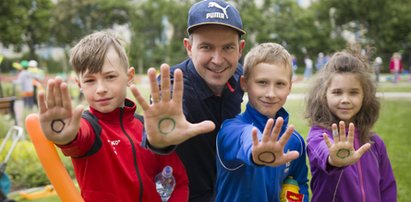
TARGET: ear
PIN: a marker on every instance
(188, 46)
(243, 83)
(130, 76)
(241, 48)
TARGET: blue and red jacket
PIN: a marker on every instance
(120, 170)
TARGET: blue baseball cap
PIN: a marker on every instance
(215, 12)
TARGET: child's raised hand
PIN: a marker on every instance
(164, 120)
(342, 152)
(59, 123)
(269, 151)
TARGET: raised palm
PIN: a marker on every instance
(342, 151)
(164, 120)
(270, 151)
(57, 119)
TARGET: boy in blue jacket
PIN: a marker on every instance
(251, 160)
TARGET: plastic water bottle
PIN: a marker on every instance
(165, 183)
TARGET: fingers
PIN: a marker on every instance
(178, 86)
(66, 100)
(77, 116)
(284, 138)
(291, 155)
(277, 128)
(155, 92)
(335, 133)
(351, 133)
(255, 138)
(342, 131)
(327, 140)
(57, 92)
(165, 82)
(42, 102)
(267, 130)
(50, 93)
(141, 101)
(200, 128)
(362, 150)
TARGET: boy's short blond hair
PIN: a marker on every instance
(89, 54)
(271, 53)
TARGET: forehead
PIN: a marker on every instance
(345, 81)
(270, 71)
(112, 62)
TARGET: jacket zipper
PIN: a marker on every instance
(360, 175)
(134, 155)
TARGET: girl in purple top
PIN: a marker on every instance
(347, 163)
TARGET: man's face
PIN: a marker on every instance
(215, 51)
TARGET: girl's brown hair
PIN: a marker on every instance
(343, 62)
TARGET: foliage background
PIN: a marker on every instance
(380, 26)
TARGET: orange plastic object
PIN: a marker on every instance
(52, 164)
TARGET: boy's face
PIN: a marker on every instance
(215, 51)
(268, 86)
(345, 96)
(106, 90)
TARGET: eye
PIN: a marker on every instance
(229, 47)
(262, 82)
(88, 80)
(336, 92)
(205, 47)
(111, 77)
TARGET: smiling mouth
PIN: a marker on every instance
(217, 70)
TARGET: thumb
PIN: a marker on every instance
(200, 128)
(77, 116)
(362, 150)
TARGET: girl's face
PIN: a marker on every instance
(106, 90)
(268, 86)
(345, 96)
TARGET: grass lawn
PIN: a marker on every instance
(394, 126)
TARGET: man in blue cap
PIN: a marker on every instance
(211, 88)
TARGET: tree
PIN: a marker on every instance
(25, 23)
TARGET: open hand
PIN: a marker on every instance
(59, 123)
(164, 120)
(342, 152)
(269, 151)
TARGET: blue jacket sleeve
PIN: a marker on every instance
(234, 142)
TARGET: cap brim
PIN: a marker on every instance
(192, 28)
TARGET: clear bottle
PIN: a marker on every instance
(165, 183)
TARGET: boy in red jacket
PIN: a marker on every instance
(110, 165)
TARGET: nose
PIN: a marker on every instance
(101, 88)
(345, 99)
(217, 57)
(270, 92)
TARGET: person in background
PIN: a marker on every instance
(377, 68)
(308, 72)
(24, 81)
(349, 162)
(395, 66)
